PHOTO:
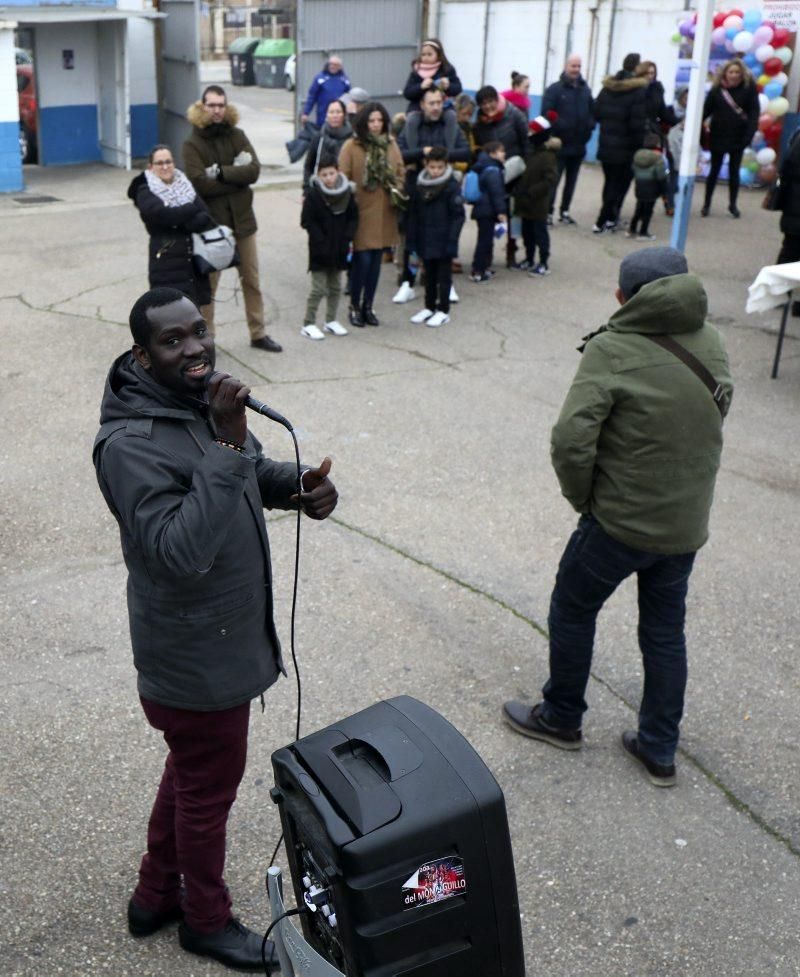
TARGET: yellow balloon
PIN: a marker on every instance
(778, 107)
(764, 80)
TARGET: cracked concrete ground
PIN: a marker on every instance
(432, 579)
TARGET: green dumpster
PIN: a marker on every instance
(269, 60)
(241, 54)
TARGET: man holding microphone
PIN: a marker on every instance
(187, 483)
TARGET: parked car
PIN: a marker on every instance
(289, 71)
(26, 93)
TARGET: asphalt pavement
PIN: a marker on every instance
(431, 578)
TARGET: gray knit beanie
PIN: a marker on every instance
(639, 268)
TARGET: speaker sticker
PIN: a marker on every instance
(434, 882)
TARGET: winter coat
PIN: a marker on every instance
(228, 197)
(650, 174)
(639, 438)
(324, 89)
(419, 132)
(435, 217)
(535, 187)
(789, 193)
(493, 192)
(413, 90)
(327, 142)
(730, 132)
(660, 116)
(574, 105)
(511, 129)
(194, 540)
(330, 218)
(298, 147)
(377, 218)
(620, 110)
(518, 100)
(170, 250)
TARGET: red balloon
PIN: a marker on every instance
(736, 12)
(779, 37)
(719, 18)
(765, 122)
(773, 135)
(772, 66)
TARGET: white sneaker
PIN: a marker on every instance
(422, 316)
(312, 332)
(404, 294)
(453, 294)
(438, 319)
(335, 327)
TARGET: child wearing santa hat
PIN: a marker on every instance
(533, 191)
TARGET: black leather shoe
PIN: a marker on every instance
(235, 945)
(734, 211)
(660, 774)
(354, 318)
(529, 722)
(369, 316)
(267, 343)
(144, 922)
(704, 210)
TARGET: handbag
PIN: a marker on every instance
(214, 250)
(513, 169)
(398, 198)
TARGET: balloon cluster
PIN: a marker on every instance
(763, 48)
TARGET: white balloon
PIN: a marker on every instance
(778, 107)
(766, 156)
(742, 42)
(764, 53)
(763, 102)
(784, 55)
(782, 78)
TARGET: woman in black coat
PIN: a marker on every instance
(328, 142)
(660, 119)
(431, 70)
(171, 211)
(731, 113)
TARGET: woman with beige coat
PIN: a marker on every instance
(372, 160)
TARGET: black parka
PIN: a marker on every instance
(327, 142)
(620, 108)
(170, 251)
(330, 219)
(194, 540)
(731, 131)
(435, 217)
(574, 105)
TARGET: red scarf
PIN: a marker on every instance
(502, 105)
(522, 102)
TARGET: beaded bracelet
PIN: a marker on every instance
(230, 444)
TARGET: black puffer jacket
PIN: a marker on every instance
(435, 217)
(732, 130)
(511, 129)
(573, 103)
(660, 116)
(535, 186)
(327, 142)
(194, 540)
(330, 218)
(620, 108)
(790, 188)
(170, 229)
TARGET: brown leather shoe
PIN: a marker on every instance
(267, 343)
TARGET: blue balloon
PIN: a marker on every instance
(746, 177)
(758, 140)
(751, 20)
(773, 89)
(731, 32)
(751, 61)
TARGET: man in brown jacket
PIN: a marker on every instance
(221, 163)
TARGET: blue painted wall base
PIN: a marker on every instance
(10, 159)
(683, 208)
(68, 134)
(144, 129)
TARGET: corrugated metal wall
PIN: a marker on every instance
(376, 39)
(180, 70)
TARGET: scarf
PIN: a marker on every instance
(337, 198)
(378, 172)
(174, 194)
(430, 187)
(502, 105)
(428, 70)
(522, 102)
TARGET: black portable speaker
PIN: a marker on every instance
(397, 836)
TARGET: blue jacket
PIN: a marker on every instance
(575, 107)
(493, 190)
(325, 88)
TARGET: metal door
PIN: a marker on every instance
(180, 70)
(376, 39)
(113, 104)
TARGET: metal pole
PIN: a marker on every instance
(611, 25)
(547, 42)
(692, 123)
(485, 41)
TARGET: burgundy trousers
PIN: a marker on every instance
(186, 833)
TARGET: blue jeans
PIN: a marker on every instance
(365, 271)
(591, 569)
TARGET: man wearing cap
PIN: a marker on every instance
(636, 449)
(355, 100)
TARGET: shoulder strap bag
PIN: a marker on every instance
(705, 375)
(214, 250)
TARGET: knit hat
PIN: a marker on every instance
(639, 268)
(542, 123)
(358, 95)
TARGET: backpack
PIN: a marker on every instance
(472, 187)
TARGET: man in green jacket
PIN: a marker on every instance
(636, 449)
(221, 163)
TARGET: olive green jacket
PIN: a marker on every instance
(639, 438)
(229, 198)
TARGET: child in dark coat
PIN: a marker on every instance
(490, 208)
(650, 174)
(435, 219)
(330, 217)
(533, 193)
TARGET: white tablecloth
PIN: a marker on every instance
(771, 286)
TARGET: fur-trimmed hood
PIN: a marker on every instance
(338, 197)
(198, 117)
(623, 82)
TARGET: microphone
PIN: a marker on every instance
(261, 408)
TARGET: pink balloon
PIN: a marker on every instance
(762, 35)
(718, 36)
